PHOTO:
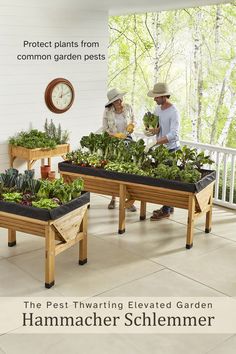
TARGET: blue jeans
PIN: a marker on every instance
(168, 209)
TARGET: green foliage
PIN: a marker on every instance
(150, 120)
(58, 189)
(32, 140)
(161, 155)
(45, 203)
(56, 133)
(190, 157)
(49, 139)
(189, 174)
(147, 48)
(24, 189)
(8, 179)
(12, 197)
(125, 167)
(184, 165)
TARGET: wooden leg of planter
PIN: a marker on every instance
(30, 164)
(142, 210)
(12, 159)
(83, 242)
(191, 211)
(49, 161)
(122, 209)
(11, 238)
(49, 257)
(209, 217)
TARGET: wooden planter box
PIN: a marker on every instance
(61, 227)
(32, 155)
(195, 197)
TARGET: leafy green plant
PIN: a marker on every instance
(150, 120)
(12, 197)
(125, 167)
(45, 203)
(33, 139)
(130, 157)
(24, 189)
(8, 179)
(189, 174)
(161, 155)
(49, 139)
(137, 151)
(58, 189)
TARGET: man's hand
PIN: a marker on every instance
(154, 130)
(162, 140)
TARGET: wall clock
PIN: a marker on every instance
(59, 95)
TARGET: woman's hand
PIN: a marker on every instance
(130, 128)
(120, 136)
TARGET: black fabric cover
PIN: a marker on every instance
(209, 176)
(44, 214)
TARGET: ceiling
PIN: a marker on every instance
(119, 7)
(122, 7)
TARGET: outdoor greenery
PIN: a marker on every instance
(105, 151)
(24, 189)
(191, 49)
(49, 139)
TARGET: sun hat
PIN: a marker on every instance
(114, 95)
(159, 89)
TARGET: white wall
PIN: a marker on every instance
(23, 83)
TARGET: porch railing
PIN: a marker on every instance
(225, 158)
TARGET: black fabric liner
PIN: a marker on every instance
(209, 176)
(45, 214)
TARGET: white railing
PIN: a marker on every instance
(225, 172)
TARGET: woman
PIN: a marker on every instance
(117, 116)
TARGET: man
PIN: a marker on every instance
(167, 132)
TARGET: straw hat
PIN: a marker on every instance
(159, 89)
(114, 95)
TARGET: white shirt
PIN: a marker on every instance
(120, 122)
(169, 122)
(109, 122)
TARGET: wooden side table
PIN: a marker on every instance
(32, 155)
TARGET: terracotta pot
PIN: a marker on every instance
(51, 175)
(45, 171)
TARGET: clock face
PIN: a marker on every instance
(59, 95)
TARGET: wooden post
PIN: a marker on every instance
(142, 210)
(83, 242)
(191, 211)
(49, 161)
(11, 238)
(209, 216)
(49, 256)
(122, 193)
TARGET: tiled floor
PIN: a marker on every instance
(150, 259)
